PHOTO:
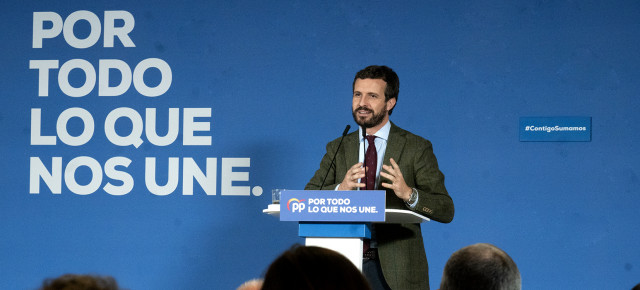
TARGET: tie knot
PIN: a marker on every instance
(370, 139)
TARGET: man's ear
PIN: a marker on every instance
(391, 103)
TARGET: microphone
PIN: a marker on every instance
(364, 153)
(346, 130)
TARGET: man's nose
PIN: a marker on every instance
(363, 102)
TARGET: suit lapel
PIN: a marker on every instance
(351, 147)
(395, 144)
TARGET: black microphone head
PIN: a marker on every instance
(346, 130)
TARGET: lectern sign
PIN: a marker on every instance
(335, 206)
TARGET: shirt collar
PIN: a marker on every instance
(383, 133)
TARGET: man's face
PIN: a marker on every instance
(369, 108)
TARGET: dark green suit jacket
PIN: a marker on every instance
(400, 246)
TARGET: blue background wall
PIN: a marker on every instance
(277, 77)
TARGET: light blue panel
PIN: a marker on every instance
(333, 206)
(335, 230)
(555, 129)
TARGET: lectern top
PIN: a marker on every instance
(393, 216)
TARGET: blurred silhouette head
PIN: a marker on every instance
(80, 282)
(313, 268)
(480, 266)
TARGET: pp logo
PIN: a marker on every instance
(295, 205)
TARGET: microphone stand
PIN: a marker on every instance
(346, 130)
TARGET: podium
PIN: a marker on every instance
(341, 233)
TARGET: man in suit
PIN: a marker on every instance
(406, 168)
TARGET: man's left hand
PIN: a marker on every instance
(394, 175)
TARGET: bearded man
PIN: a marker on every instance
(405, 167)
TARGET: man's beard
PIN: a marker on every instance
(375, 120)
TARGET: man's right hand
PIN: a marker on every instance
(350, 181)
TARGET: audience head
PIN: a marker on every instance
(480, 266)
(80, 282)
(313, 268)
(255, 284)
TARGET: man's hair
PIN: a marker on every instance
(480, 266)
(80, 282)
(307, 268)
(383, 73)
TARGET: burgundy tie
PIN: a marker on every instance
(371, 157)
(372, 163)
